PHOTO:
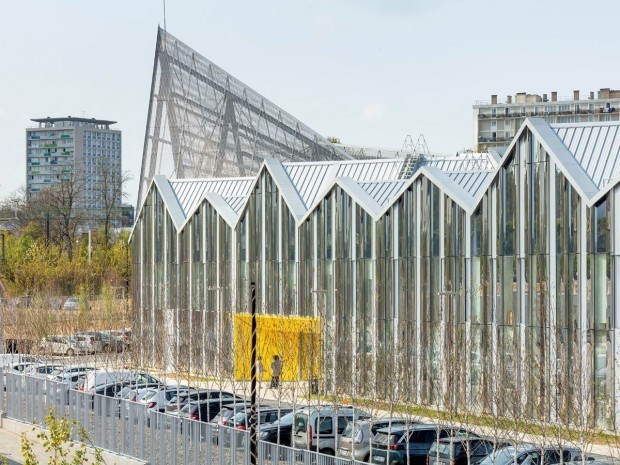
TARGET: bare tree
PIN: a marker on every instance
(109, 190)
(63, 202)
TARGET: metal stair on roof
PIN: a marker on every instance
(412, 152)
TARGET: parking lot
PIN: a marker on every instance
(147, 417)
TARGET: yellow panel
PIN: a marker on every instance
(297, 340)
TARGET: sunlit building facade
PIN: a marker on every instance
(481, 282)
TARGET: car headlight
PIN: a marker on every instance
(263, 434)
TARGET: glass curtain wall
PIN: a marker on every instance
(508, 315)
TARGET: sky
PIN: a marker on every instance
(369, 72)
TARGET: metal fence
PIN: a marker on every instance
(131, 429)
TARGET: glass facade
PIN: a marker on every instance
(506, 305)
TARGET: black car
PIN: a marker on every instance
(203, 410)
(110, 390)
(265, 414)
(278, 432)
(175, 404)
(408, 445)
(460, 450)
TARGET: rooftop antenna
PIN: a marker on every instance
(164, 15)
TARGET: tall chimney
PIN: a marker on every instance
(575, 95)
(493, 99)
(554, 96)
(591, 95)
(508, 98)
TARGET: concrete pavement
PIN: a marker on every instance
(10, 447)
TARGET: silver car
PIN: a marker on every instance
(355, 440)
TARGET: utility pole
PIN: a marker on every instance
(253, 435)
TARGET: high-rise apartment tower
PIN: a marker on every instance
(86, 148)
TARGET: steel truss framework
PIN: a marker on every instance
(202, 122)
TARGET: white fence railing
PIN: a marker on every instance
(131, 429)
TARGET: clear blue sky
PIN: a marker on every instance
(367, 71)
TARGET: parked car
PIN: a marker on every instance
(95, 340)
(110, 389)
(175, 404)
(65, 345)
(530, 454)
(9, 360)
(130, 386)
(460, 450)
(228, 412)
(355, 440)
(319, 428)
(98, 377)
(66, 370)
(71, 304)
(40, 370)
(264, 415)
(203, 410)
(115, 341)
(408, 445)
(279, 431)
(157, 401)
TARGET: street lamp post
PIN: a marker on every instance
(253, 436)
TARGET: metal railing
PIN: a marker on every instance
(131, 429)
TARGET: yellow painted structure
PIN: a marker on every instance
(296, 340)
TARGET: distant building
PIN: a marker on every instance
(85, 147)
(127, 215)
(495, 124)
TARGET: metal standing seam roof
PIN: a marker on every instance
(595, 146)
(191, 191)
(465, 162)
(384, 191)
(309, 178)
(473, 182)
(236, 203)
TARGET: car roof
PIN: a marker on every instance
(464, 437)
(213, 401)
(404, 428)
(327, 409)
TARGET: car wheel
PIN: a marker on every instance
(328, 452)
(70, 352)
(367, 458)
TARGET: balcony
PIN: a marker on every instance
(52, 145)
(65, 153)
(65, 136)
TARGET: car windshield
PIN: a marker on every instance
(286, 420)
(385, 438)
(348, 431)
(150, 393)
(501, 457)
(124, 391)
(240, 417)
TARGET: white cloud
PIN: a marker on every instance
(373, 112)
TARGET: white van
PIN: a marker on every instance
(319, 428)
(101, 377)
(8, 360)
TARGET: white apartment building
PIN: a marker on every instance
(57, 147)
(496, 123)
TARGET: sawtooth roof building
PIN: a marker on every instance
(483, 280)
